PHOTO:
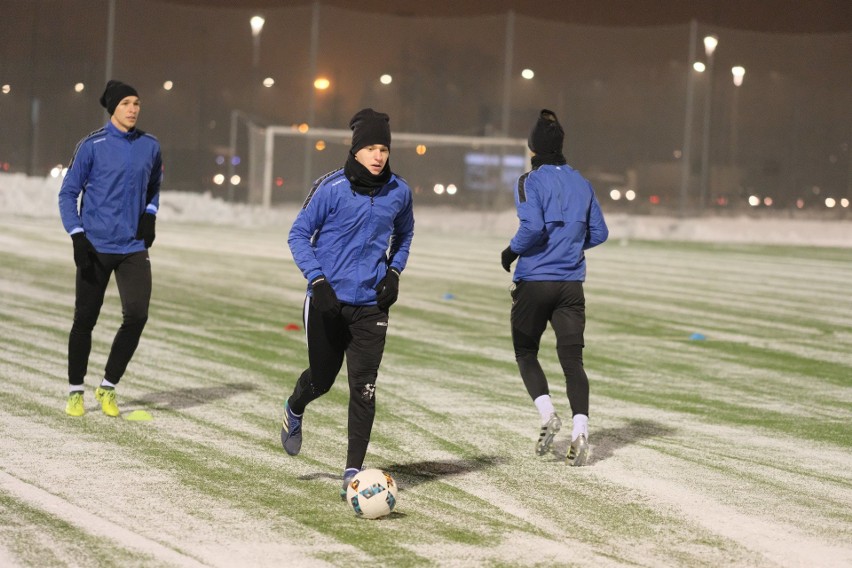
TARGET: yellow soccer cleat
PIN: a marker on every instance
(74, 406)
(107, 399)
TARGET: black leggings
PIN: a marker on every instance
(133, 277)
(563, 304)
(358, 333)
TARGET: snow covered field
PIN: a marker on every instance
(730, 450)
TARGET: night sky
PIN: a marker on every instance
(614, 70)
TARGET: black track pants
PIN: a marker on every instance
(563, 304)
(358, 333)
(133, 278)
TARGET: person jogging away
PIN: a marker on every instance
(115, 174)
(351, 240)
(560, 218)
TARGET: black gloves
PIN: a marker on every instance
(146, 228)
(388, 289)
(323, 297)
(507, 257)
(83, 250)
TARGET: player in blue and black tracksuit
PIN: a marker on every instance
(351, 241)
(108, 204)
(560, 218)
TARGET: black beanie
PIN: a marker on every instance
(547, 135)
(114, 92)
(369, 127)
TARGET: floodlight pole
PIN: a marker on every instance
(710, 43)
(110, 40)
(308, 165)
(507, 72)
(686, 155)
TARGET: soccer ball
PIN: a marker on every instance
(371, 493)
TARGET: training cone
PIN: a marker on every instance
(291, 327)
(138, 416)
(697, 337)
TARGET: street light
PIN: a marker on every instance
(710, 43)
(256, 24)
(738, 73)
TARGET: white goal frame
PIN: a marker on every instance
(270, 132)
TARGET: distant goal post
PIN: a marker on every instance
(440, 168)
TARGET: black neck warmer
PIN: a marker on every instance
(360, 177)
(555, 159)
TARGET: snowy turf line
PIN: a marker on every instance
(705, 452)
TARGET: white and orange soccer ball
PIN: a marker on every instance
(372, 493)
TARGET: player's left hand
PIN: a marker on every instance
(507, 257)
(146, 228)
(388, 289)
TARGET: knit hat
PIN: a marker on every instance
(114, 92)
(547, 135)
(369, 127)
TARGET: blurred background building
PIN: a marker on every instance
(669, 106)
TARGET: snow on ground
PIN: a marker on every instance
(37, 197)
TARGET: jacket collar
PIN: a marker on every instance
(130, 134)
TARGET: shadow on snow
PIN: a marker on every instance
(187, 398)
(607, 441)
(413, 474)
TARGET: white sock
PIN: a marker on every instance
(75, 388)
(545, 407)
(106, 383)
(581, 426)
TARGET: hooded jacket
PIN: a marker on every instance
(119, 175)
(560, 217)
(353, 238)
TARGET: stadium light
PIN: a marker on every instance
(738, 72)
(385, 79)
(527, 73)
(256, 24)
(710, 44)
(78, 88)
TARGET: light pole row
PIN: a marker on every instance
(711, 42)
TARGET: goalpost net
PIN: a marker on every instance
(463, 171)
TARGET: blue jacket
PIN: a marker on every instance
(119, 175)
(560, 217)
(353, 238)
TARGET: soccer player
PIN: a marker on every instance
(115, 174)
(560, 218)
(351, 241)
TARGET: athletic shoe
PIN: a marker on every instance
(74, 406)
(347, 478)
(578, 453)
(291, 431)
(107, 399)
(548, 432)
